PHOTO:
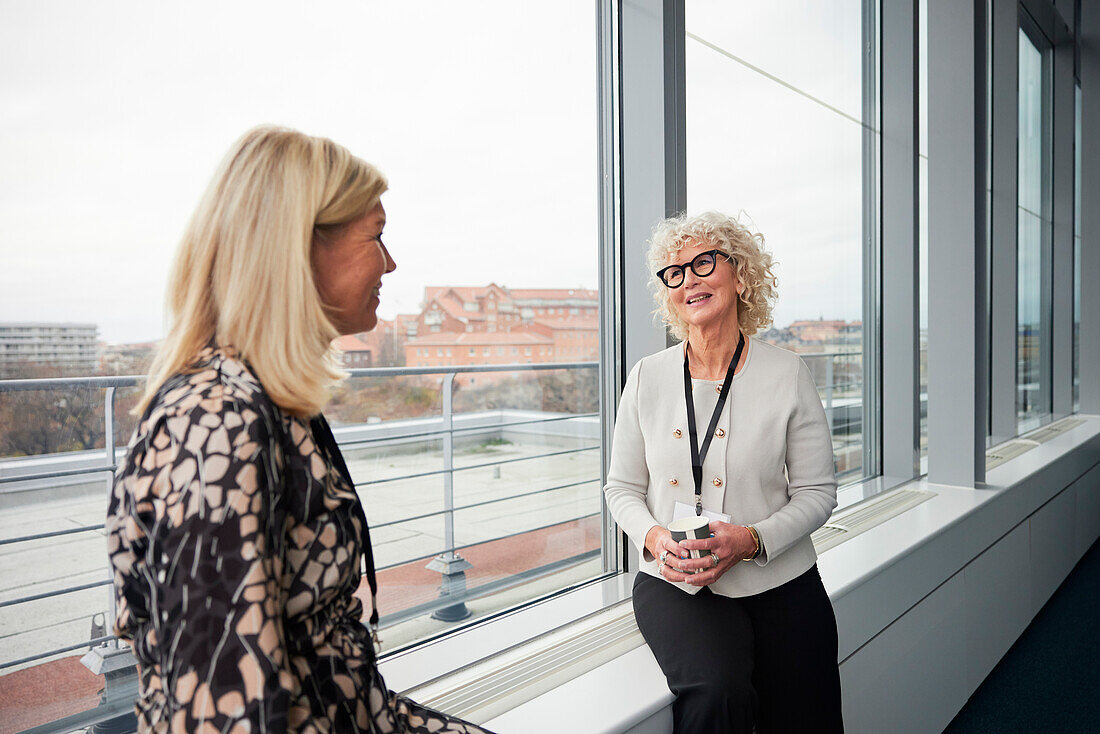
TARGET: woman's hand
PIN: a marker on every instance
(731, 543)
(672, 555)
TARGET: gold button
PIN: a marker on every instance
(720, 433)
(673, 481)
(718, 389)
(717, 482)
(677, 433)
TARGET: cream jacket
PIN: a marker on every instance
(770, 464)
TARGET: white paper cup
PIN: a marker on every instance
(691, 528)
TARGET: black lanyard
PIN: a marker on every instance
(699, 455)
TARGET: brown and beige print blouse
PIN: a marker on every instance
(237, 540)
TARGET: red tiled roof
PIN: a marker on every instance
(462, 292)
(552, 294)
(476, 338)
(473, 293)
(352, 343)
(580, 323)
(453, 308)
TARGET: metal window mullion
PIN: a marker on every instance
(955, 444)
(109, 451)
(871, 240)
(652, 148)
(1003, 255)
(1062, 245)
(610, 255)
(900, 326)
(1089, 71)
(1046, 256)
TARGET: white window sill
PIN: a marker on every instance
(447, 655)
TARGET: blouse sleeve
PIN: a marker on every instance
(628, 474)
(201, 590)
(811, 479)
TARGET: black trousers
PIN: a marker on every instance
(768, 660)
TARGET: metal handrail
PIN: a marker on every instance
(468, 429)
(55, 383)
(452, 470)
(490, 540)
(68, 648)
(60, 473)
(53, 534)
(55, 592)
(483, 503)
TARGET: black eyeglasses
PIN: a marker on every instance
(702, 265)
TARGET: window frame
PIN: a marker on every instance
(1036, 36)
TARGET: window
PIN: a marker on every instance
(787, 133)
(141, 94)
(1033, 297)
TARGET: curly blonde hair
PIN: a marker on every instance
(753, 263)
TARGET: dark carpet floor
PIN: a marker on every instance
(1049, 681)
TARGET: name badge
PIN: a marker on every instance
(680, 510)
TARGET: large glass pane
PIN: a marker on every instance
(482, 488)
(782, 126)
(1033, 330)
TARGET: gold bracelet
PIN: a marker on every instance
(756, 539)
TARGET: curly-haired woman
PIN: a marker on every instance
(729, 428)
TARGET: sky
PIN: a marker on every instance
(114, 115)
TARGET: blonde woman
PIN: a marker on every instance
(729, 428)
(234, 529)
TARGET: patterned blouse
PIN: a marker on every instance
(236, 539)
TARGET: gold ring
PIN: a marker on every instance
(715, 557)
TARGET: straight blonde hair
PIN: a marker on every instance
(242, 275)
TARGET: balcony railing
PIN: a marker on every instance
(443, 428)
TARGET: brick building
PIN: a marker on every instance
(498, 325)
(355, 350)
